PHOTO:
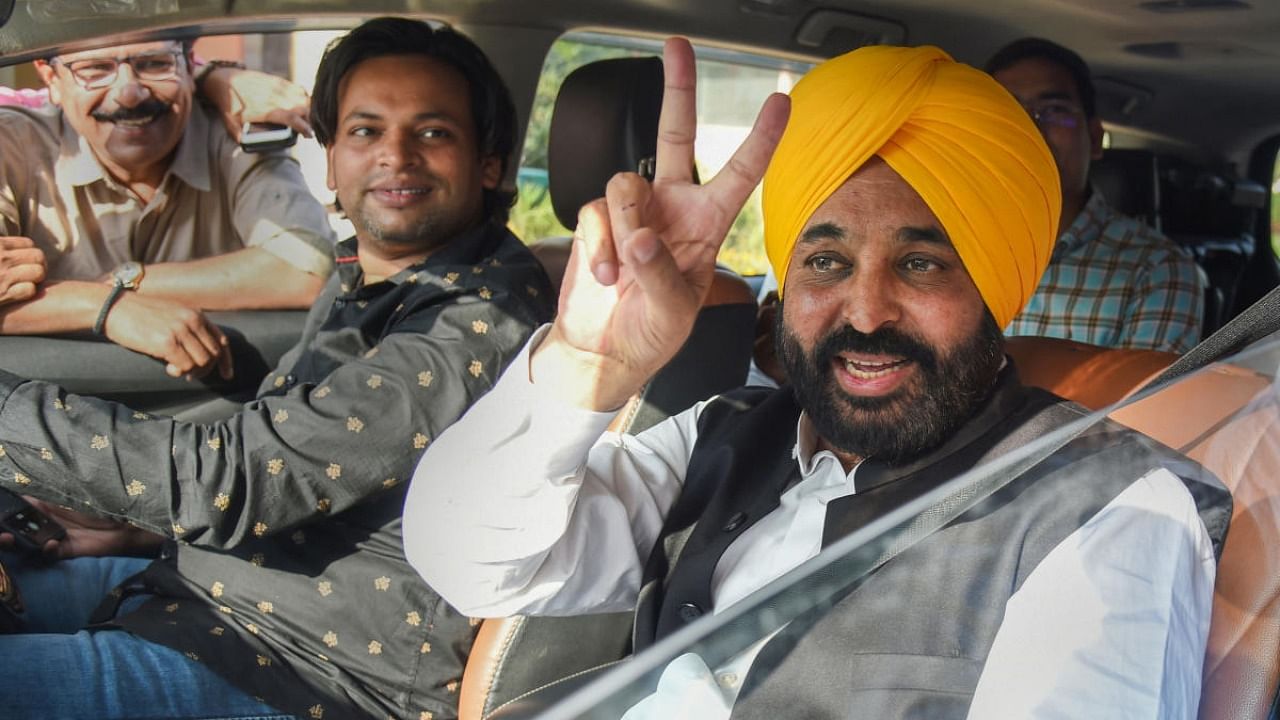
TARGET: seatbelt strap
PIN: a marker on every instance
(1258, 321)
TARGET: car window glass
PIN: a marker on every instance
(1237, 430)
(731, 87)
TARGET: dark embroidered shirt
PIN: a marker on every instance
(289, 576)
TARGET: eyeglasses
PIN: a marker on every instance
(1055, 114)
(96, 73)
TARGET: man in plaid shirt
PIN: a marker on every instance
(1112, 280)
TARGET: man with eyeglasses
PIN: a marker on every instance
(127, 208)
(1112, 280)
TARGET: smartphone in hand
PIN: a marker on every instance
(263, 137)
(30, 527)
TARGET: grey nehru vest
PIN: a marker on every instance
(910, 640)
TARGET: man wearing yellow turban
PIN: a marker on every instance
(910, 207)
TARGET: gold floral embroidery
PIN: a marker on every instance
(413, 618)
(264, 661)
(476, 270)
(389, 483)
(322, 392)
(21, 478)
(452, 686)
(479, 327)
(371, 352)
(316, 711)
(420, 441)
(2, 452)
(222, 501)
(260, 529)
(426, 648)
(412, 278)
(214, 443)
(46, 454)
(475, 368)
(171, 607)
(323, 505)
(266, 607)
(473, 621)
(375, 647)
(281, 416)
(279, 381)
(426, 715)
(191, 654)
(275, 465)
(58, 404)
(495, 262)
(225, 609)
(141, 416)
(298, 537)
(134, 488)
(330, 639)
(425, 377)
(325, 588)
(251, 627)
(217, 588)
(355, 424)
(217, 631)
(178, 529)
(257, 559)
(374, 381)
(486, 293)
(533, 291)
(334, 471)
(99, 442)
(451, 278)
(362, 304)
(382, 583)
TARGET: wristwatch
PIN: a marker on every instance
(126, 276)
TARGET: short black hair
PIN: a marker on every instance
(1034, 47)
(492, 110)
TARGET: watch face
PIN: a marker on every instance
(128, 274)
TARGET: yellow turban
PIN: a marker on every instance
(952, 132)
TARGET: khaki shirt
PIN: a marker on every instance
(215, 199)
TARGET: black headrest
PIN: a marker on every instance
(605, 122)
(1129, 180)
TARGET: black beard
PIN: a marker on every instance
(909, 422)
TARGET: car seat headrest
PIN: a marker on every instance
(605, 121)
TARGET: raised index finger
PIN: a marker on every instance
(678, 121)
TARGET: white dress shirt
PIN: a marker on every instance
(526, 506)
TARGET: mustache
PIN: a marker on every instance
(149, 108)
(884, 341)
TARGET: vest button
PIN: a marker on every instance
(290, 380)
(735, 522)
(689, 612)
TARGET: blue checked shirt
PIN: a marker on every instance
(1114, 281)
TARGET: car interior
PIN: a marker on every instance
(1187, 96)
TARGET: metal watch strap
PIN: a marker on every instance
(117, 289)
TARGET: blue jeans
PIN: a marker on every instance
(57, 670)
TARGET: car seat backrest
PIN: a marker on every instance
(1227, 418)
(1088, 374)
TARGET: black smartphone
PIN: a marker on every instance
(262, 137)
(29, 526)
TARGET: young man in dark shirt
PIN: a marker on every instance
(287, 590)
